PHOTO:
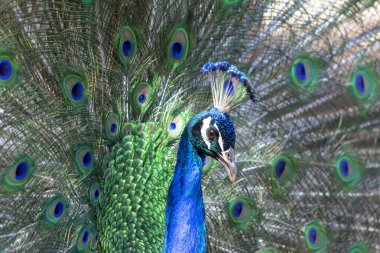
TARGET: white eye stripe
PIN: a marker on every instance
(206, 125)
(220, 139)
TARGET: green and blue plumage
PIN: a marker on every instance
(185, 215)
(94, 97)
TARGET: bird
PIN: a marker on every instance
(96, 99)
(209, 133)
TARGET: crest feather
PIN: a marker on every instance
(229, 86)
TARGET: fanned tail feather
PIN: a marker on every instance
(95, 94)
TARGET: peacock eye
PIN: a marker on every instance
(211, 134)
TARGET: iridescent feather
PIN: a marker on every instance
(95, 94)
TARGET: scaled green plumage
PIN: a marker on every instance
(132, 207)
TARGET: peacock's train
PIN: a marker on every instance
(95, 96)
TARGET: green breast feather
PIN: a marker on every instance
(135, 186)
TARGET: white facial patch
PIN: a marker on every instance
(220, 140)
(206, 124)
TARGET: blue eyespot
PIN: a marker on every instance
(360, 83)
(178, 46)
(85, 237)
(113, 128)
(77, 91)
(238, 208)
(5, 69)
(280, 168)
(229, 87)
(283, 169)
(176, 124)
(74, 85)
(306, 71)
(316, 236)
(177, 50)
(84, 158)
(349, 169)
(126, 44)
(364, 82)
(241, 212)
(96, 194)
(8, 69)
(344, 169)
(300, 71)
(87, 159)
(18, 173)
(172, 126)
(128, 48)
(142, 98)
(313, 235)
(58, 210)
(21, 171)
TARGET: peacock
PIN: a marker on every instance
(107, 107)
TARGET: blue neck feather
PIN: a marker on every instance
(185, 215)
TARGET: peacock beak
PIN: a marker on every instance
(227, 158)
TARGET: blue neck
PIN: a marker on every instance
(185, 229)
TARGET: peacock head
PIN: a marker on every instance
(212, 133)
